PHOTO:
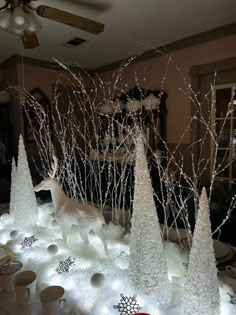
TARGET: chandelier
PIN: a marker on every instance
(18, 17)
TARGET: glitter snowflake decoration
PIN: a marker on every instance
(232, 298)
(64, 265)
(28, 241)
(127, 305)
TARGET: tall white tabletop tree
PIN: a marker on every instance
(12, 207)
(147, 263)
(201, 295)
(25, 214)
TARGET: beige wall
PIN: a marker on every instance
(17, 76)
(29, 76)
(150, 73)
(32, 76)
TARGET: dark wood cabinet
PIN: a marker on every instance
(118, 119)
(112, 157)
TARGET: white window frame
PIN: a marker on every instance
(213, 120)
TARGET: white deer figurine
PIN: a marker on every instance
(68, 212)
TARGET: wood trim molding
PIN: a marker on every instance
(219, 66)
(210, 35)
(33, 62)
(28, 60)
(197, 71)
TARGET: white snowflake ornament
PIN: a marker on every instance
(127, 305)
(28, 241)
(64, 265)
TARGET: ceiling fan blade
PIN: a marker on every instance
(70, 19)
(29, 40)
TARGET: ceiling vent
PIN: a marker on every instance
(75, 42)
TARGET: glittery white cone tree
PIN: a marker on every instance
(147, 263)
(13, 188)
(25, 201)
(201, 295)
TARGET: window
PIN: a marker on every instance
(224, 127)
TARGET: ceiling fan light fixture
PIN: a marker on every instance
(34, 25)
(20, 19)
(13, 30)
(5, 19)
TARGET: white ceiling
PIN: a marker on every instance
(130, 26)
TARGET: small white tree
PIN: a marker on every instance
(12, 208)
(201, 296)
(147, 263)
(25, 214)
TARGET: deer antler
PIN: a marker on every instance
(54, 167)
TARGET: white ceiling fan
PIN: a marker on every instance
(20, 17)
